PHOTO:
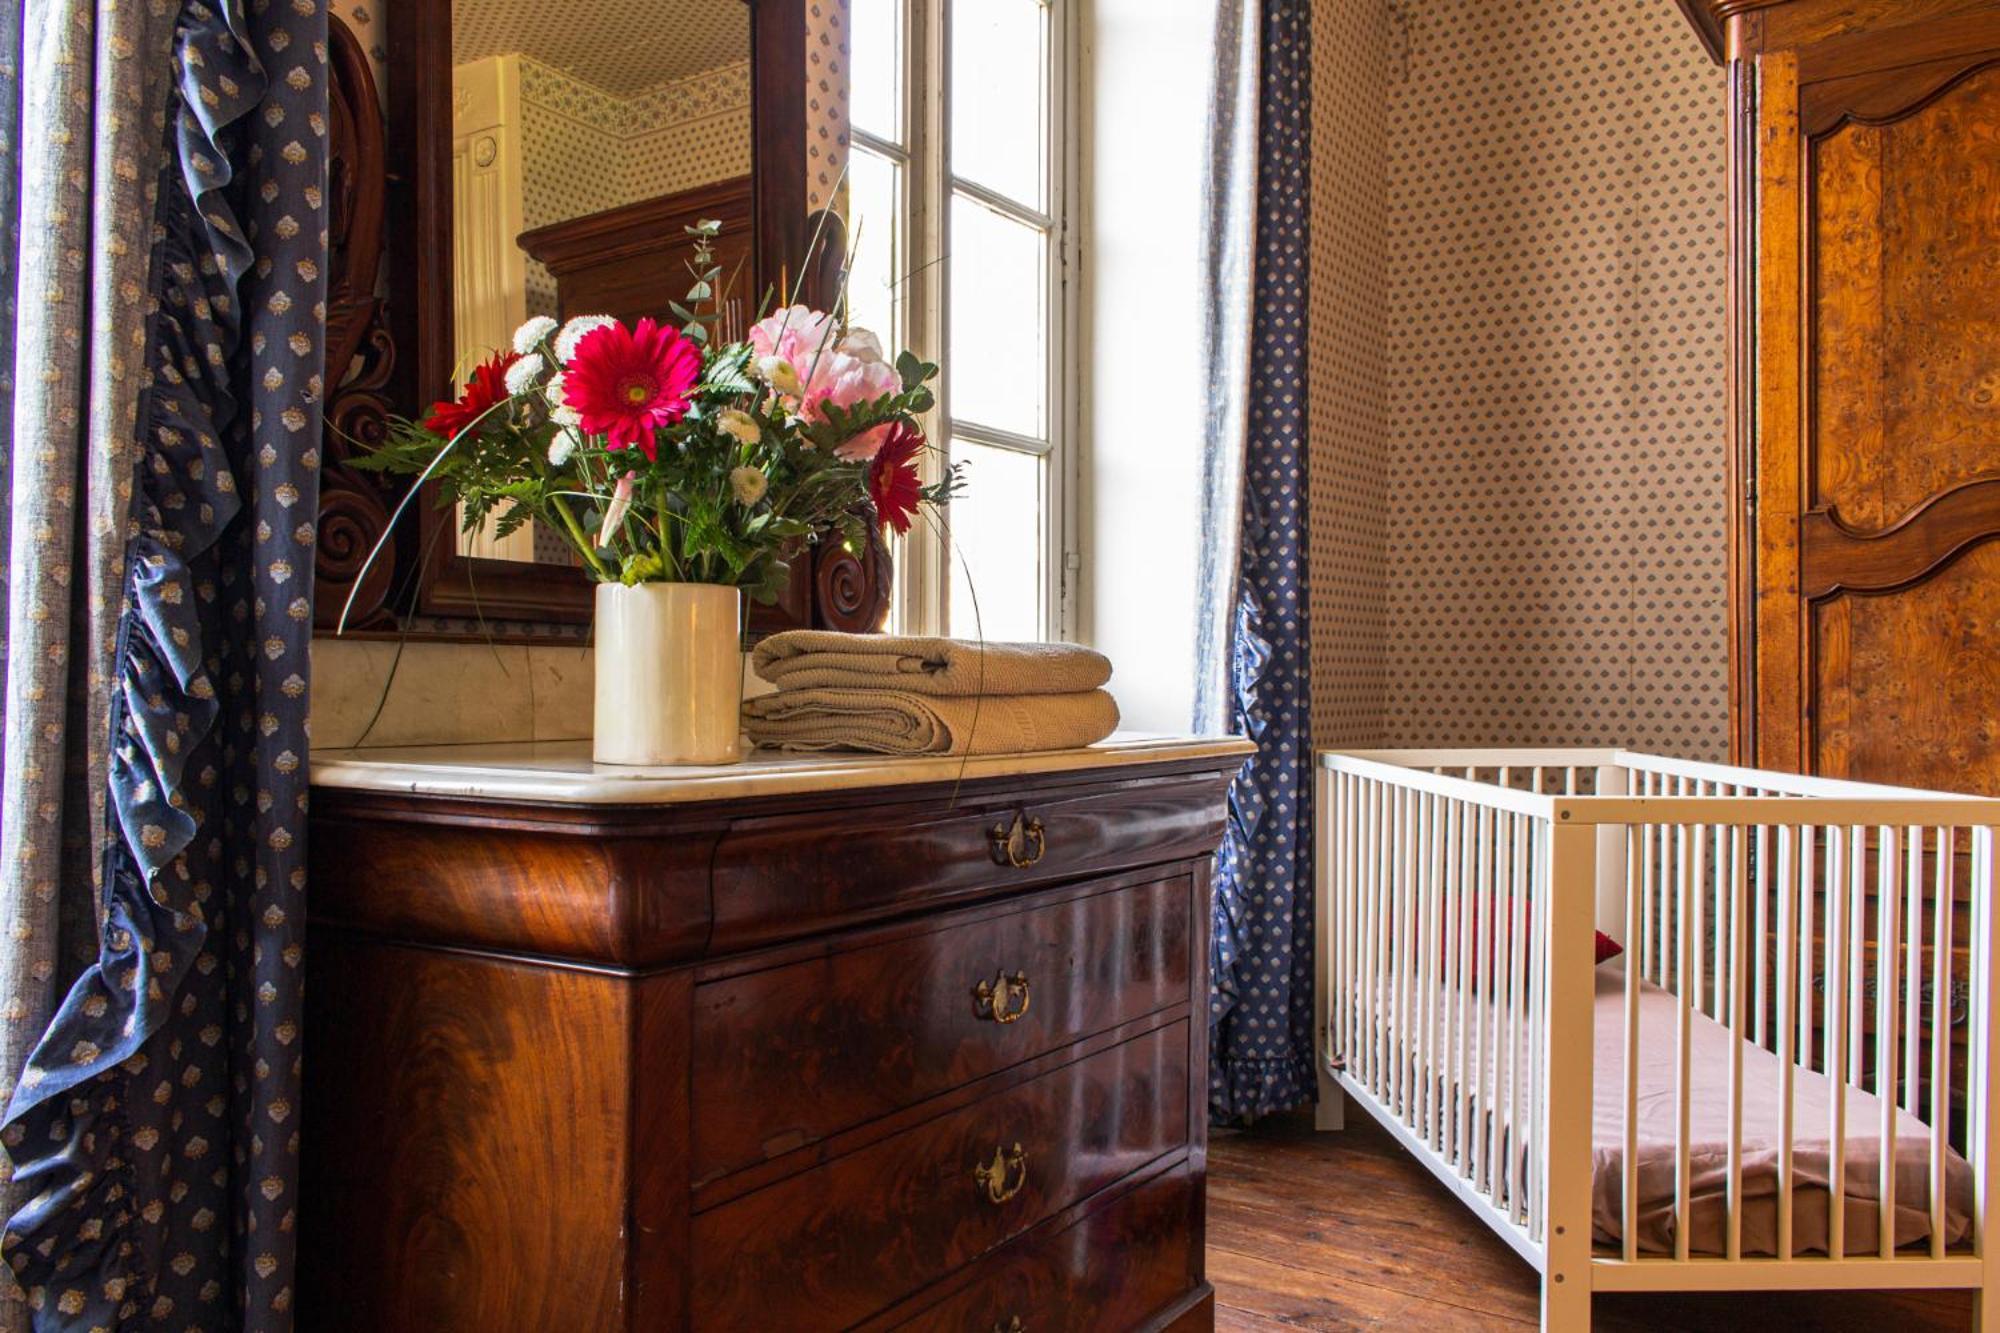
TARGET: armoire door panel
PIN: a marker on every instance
(1870, 193)
(1906, 358)
(1907, 684)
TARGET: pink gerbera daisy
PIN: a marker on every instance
(626, 384)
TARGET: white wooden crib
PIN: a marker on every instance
(1670, 1120)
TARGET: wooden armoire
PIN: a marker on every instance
(1865, 385)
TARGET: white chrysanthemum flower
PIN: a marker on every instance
(553, 392)
(563, 447)
(740, 425)
(749, 485)
(575, 331)
(523, 374)
(530, 335)
(566, 416)
(779, 374)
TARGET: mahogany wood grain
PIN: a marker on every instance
(770, 872)
(629, 900)
(1057, 1278)
(831, 1247)
(459, 1161)
(632, 262)
(786, 1056)
(507, 1087)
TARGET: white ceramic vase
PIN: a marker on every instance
(669, 674)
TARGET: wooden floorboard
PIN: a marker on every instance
(1347, 1231)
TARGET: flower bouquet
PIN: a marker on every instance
(685, 473)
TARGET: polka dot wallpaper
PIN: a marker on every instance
(1549, 465)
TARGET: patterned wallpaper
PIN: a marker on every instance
(1345, 375)
(827, 82)
(1552, 382)
(584, 150)
(622, 46)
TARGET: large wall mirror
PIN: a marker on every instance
(526, 158)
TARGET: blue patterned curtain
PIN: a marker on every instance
(164, 453)
(1260, 1015)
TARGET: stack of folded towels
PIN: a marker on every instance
(893, 695)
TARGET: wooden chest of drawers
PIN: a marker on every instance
(800, 1046)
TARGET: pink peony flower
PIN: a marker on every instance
(795, 335)
(625, 384)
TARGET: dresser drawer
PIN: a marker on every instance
(1120, 1267)
(791, 875)
(834, 1245)
(922, 1013)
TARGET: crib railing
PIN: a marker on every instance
(1458, 895)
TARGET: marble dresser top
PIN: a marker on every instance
(562, 772)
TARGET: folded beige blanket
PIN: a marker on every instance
(887, 721)
(815, 659)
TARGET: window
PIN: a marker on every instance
(957, 186)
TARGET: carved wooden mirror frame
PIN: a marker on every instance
(392, 217)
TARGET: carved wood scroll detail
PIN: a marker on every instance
(354, 506)
(1838, 558)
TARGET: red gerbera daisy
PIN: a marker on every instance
(487, 386)
(894, 487)
(627, 383)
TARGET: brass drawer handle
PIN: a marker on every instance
(1003, 999)
(1021, 844)
(1005, 1176)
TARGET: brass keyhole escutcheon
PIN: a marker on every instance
(1005, 1176)
(1003, 999)
(1011, 1326)
(1020, 844)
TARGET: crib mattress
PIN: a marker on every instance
(1711, 1049)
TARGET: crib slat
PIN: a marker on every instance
(1461, 993)
(1791, 885)
(1913, 968)
(1836, 1011)
(1376, 869)
(1983, 1089)
(1857, 957)
(1738, 909)
(1683, 1038)
(1427, 952)
(1635, 907)
(1699, 851)
(1760, 999)
(1485, 931)
(1517, 1009)
(1888, 905)
(1940, 1032)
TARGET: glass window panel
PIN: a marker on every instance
(1000, 96)
(998, 546)
(875, 67)
(999, 319)
(874, 224)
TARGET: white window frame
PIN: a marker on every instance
(924, 575)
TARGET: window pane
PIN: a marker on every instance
(998, 545)
(999, 319)
(875, 66)
(874, 218)
(1000, 96)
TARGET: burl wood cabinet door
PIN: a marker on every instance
(1868, 181)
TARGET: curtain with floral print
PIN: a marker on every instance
(163, 453)
(1260, 1013)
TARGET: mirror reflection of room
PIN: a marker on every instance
(585, 138)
